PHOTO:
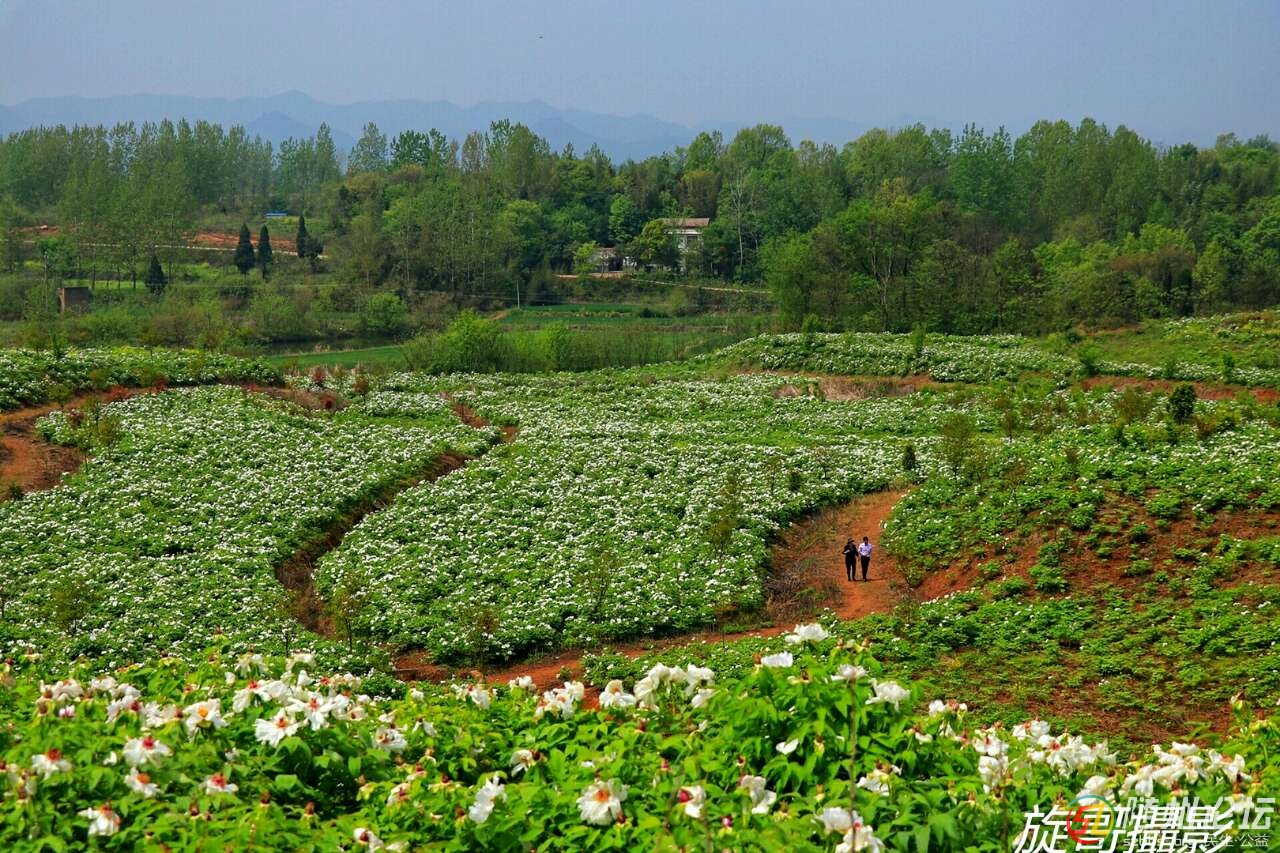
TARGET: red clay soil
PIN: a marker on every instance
(31, 463)
(813, 547)
(231, 239)
(1204, 390)
(220, 240)
(1083, 568)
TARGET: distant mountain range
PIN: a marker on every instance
(297, 114)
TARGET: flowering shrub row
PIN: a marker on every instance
(28, 377)
(945, 358)
(950, 358)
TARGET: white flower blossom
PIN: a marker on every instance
(103, 820)
(811, 633)
(601, 803)
(887, 692)
(486, 797)
(781, 660)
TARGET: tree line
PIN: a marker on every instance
(969, 232)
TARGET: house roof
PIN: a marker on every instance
(688, 222)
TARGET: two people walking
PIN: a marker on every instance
(859, 553)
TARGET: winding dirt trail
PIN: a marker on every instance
(819, 541)
(811, 548)
(297, 573)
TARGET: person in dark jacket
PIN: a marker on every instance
(850, 558)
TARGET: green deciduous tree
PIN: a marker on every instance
(370, 151)
(656, 245)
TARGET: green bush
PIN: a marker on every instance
(1048, 578)
(1182, 403)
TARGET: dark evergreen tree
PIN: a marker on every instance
(244, 259)
(303, 239)
(265, 255)
(156, 280)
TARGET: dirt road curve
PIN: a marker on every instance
(816, 541)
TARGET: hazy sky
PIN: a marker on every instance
(1172, 69)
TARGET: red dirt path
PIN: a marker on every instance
(816, 541)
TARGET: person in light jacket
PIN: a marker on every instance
(864, 554)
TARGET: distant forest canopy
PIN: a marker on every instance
(973, 233)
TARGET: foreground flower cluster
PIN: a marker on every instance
(808, 750)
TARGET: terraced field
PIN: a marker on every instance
(1074, 561)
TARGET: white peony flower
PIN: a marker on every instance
(366, 837)
(877, 782)
(1232, 769)
(848, 672)
(272, 731)
(836, 819)
(140, 783)
(102, 820)
(218, 784)
(1095, 786)
(702, 697)
(888, 693)
(615, 696)
(524, 682)
(762, 799)
(203, 715)
(390, 739)
(781, 660)
(787, 747)
(811, 633)
(992, 770)
(601, 802)
(692, 797)
(140, 750)
(49, 763)
(857, 835)
(314, 708)
(521, 760)
(486, 797)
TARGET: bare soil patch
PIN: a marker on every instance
(31, 463)
(1204, 390)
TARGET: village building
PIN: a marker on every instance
(687, 231)
(74, 300)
